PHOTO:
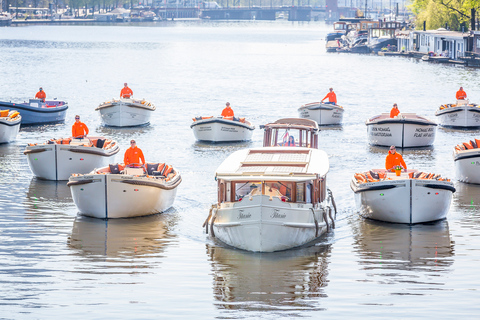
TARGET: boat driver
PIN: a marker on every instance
(461, 95)
(394, 159)
(332, 97)
(227, 112)
(79, 129)
(126, 92)
(133, 155)
(41, 94)
(394, 112)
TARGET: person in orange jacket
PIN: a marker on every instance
(461, 95)
(332, 97)
(79, 129)
(126, 92)
(41, 94)
(394, 112)
(227, 112)
(133, 155)
(394, 159)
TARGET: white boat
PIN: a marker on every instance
(459, 115)
(57, 159)
(406, 130)
(322, 113)
(222, 129)
(10, 121)
(273, 198)
(117, 191)
(467, 161)
(125, 112)
(35, 111)
(413, 197)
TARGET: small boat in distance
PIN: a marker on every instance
(125, 112)
(412, 197)
(117, 191)
(466, 156)
(10, 121)
(274, 198)
(222, 129)
(459, 115)
(57, 159)
(322, 113)
(407, 130)
(35, 111)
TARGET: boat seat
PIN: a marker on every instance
(79, 142)
(158, 174)
(100, 143)
(133, 171)
(462, 102)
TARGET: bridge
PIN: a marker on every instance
(293, 13)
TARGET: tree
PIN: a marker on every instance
(438, 13)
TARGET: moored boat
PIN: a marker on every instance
(462, 114)
(467, 161)
(35, 111)
(273, 198)
(117, 191)
(322, 113)
(413, 197)
(125, 112)
(10, 121)
(406, 130)
(222, 129)
(57, 159)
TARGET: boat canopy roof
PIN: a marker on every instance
(297, 123)
(276, 163)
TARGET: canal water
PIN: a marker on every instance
(56, 265)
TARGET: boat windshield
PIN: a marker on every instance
(290, 138)
(287, 191)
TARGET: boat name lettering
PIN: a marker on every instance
(453, 115)
(381, 134)
(128, 178)
(424, 130)
(88, 177)
(242, 215)
(381, 129)
(420, 135)
(228, 129)
(205, 129)
(276, 214)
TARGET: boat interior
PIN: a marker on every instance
(459, 103)
(150, 170)
(96, 142)
(472, 144)
(376, 175)
(242, 120)
(408, 116)
(309, 191)
(9, 115)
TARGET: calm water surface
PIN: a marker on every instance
(55, 264)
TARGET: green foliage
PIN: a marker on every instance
(437, 13)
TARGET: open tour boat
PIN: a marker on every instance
(222, 129)
(274, 198)
(9, 125)
(57, 159)
(117, 191)
(406, 130)
(460, 115)
(125, 112)
(38, 112)
(413, 197)
(467, 161)
(322, 113)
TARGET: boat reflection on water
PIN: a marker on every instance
(124, 133)
(467, 201)
(425, 247)
(48, 195)
(235, 145)
(288, 280)
(136, 237)
(420, 151)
